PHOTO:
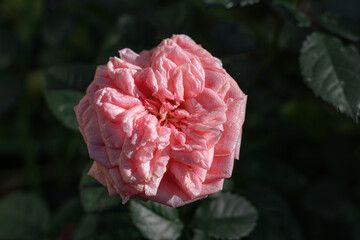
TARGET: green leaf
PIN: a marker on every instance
(94, 196)
(62, 104)
(228, 216)
(291, 11)
(332, 71)
(340, 26)
(155, 221)
(23, 216)
(87, 227)
(200, 235)
(64, 87)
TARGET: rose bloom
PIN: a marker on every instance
(163, 125)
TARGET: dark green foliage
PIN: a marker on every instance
(292, 12)
(64, 88)
(227, 216)
(156, 221)
(332, 71)
(340, 26)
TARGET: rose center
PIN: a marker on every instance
(166, 116)
(169, 112)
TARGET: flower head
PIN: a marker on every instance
(163, 125)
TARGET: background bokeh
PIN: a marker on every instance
(300, 158)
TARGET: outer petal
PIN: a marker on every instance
(146, 81)
(217, 81)
(222, 167)
(170, 194)
(189, 178)
(112, 180)
(196, 158)
(97, 174)
(185, 42)
(130, 56)
(227, 143)
(210, 100)
(88, 123)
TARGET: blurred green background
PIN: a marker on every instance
(300, 158)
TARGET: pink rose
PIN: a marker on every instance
(163, 125)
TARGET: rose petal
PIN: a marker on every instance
(130, 56)
(170, 194)
(221, 167)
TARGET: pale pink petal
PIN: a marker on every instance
(189, 178)
(146, 81)
(210, 100)
(236, 110)
(146, 54)
(125, 82)
(228, 141)
(210, 135)
(202, 54)
(129, 117)
(88, 122)
(185, 42)
(130, 56)
(117, 63)
(97, 174)
(193, 81)
(124, 190)
(212, 186)
(102, 79)
(176, 83)
(170, 194)
(99, 153)
(218, 81)
(221, 167)
(111, 133)
(112, 96)
(196, 158)
(237, 148)
(162, 65)
(158, 169)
